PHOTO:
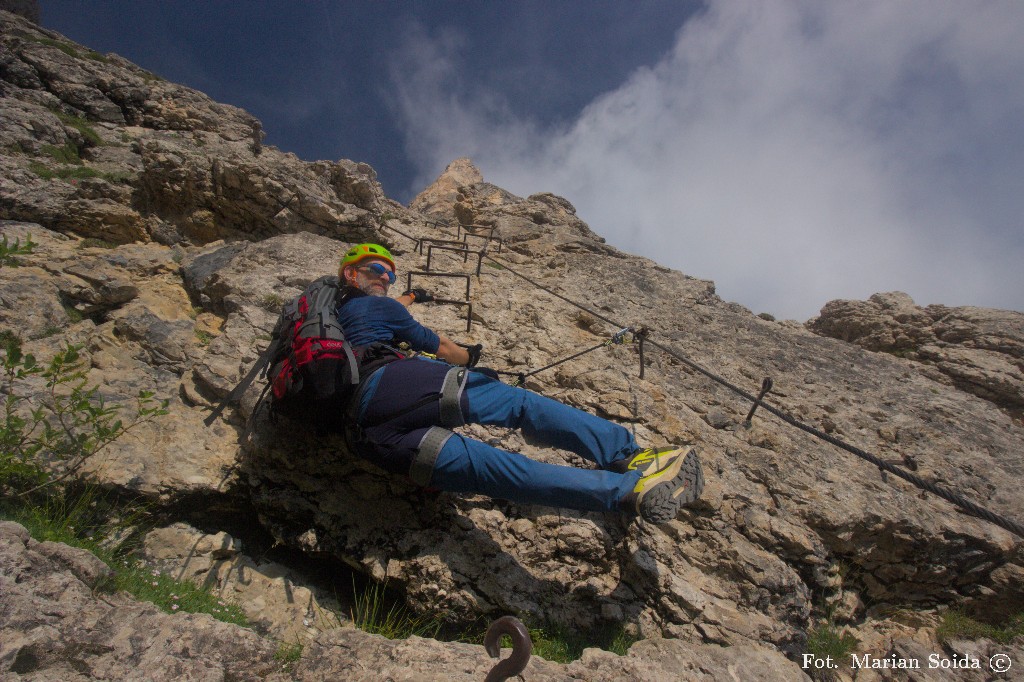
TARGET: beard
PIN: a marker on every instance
(374, 289)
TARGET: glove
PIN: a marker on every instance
(419, 295)
(474, 354)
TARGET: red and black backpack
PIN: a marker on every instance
(311, 369)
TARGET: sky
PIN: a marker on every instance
(793, 151)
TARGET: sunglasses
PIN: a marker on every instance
(379, 269)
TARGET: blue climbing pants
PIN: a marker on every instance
(406, 431)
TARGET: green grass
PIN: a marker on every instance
(288, 654)
(380, 611)
(9, 253)
(67, 154)
(559, 644)
(173, 595)
(957, 625)
(827, 640)
(375, 611)
(66, 48)
(272, 302)
(74, 314)
(81, 125)
(76, 172)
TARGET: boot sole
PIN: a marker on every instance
(661, 503)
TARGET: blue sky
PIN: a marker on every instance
(792, 151)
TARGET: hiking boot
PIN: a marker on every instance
(647, 461)
(658, 496)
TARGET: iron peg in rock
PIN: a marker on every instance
(522, 648)
(766, 386)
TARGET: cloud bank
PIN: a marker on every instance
(793, 152)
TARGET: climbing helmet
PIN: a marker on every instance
(361, 252)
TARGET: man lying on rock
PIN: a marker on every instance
(402, 411)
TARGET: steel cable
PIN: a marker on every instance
(948, 495)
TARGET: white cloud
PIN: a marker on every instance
(793, 152)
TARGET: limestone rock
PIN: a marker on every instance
(980, 350)
(57, 628)
(461, 193)
(270, 594)
(93, 145)
(26, 8)
(439, 197)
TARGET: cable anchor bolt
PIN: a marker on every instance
(766, 386)
(620, 336)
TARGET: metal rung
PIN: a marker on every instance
(436, 240)
(467, 302)
(465, 255)
(490, 239)
(419, 242)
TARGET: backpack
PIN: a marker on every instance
(311, 369)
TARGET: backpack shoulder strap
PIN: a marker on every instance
(237, 391)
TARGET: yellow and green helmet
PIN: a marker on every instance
(361, 252)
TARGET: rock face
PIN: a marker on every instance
(480, 207)
(57, 627)
(978, 350)
(170, 263)
(96, 146)
(58, 624)
(28, 9)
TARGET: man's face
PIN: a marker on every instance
(372, 276)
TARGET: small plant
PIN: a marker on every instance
(53, 422)
(70, 172)
(9, 252)
(61, 427)
(175, 596)
(67, 154)
(82, 126)
(767, 316)
(204, 337)
(74, 314)
(50, 42)
(374, 612)
(558, 644)
(958, 625)
(288, 654)
(825, 640)
(272, 302)
(561, 645)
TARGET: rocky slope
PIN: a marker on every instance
(978, 350)
(168, 237)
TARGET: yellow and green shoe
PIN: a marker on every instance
(675, 480)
